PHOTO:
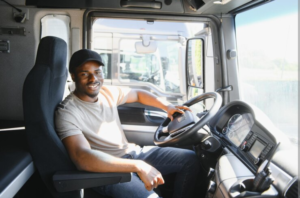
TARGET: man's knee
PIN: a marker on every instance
(190, 159)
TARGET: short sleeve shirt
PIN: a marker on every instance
(99, 122)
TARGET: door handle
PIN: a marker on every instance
(159, 114)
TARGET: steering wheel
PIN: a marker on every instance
(184, 127)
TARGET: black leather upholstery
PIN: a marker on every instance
(14, 156)
(42, 92)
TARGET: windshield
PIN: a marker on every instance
(267, 39)
(151, 53)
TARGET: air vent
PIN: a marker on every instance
(292, 192)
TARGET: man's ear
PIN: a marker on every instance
(73, 76)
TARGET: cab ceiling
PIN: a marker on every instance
(167, 6)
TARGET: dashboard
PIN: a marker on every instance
(253, 140)
(237, 129)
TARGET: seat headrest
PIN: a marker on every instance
(52, 53)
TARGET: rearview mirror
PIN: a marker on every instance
(140, 48)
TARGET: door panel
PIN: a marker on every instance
(139, 122)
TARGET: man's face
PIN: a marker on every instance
(88, 79)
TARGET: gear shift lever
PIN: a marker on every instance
(263, 178)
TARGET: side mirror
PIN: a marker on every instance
(194, 62)
(140, 48)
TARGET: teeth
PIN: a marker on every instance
(93, 86)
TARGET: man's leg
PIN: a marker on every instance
(167, 160)
(133, 189)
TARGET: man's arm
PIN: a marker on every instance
(91, 160)
(147, 98)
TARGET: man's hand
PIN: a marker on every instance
(149, 175)
(173, 109)
(147, 98)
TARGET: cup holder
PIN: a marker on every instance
(243, 188)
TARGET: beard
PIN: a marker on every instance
(92, 95)
(96, 92)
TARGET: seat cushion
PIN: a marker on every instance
(14, 156)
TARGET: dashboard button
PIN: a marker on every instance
(249, 135)
(245, 146)
(256, 161)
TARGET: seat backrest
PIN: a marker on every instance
(42, 92)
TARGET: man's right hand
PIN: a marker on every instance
(91, 160)
(149, 175)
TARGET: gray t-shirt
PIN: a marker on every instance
(99, 122)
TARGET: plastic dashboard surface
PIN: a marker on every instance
(239, 128)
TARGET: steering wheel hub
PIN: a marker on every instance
(182, 129)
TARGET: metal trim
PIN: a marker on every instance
(18, 182)
(156, 114)
(142, 129)
(12, 129)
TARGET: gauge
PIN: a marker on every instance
(238, 127)
(234, 120)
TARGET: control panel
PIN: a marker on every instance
(257, 148)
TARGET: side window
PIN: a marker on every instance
(102, 43)
(268, 62)
(59, 26)
(56, 25)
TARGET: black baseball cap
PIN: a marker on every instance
(82, 56)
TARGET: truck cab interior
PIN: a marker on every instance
(233, 62)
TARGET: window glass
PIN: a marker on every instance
(267, 39)
(154, 67)
(58, 26)
(102, 43)
(125, 43)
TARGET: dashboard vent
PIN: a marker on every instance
(292, 192)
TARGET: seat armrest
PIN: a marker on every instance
(65, 181)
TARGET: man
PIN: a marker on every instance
(87, 121)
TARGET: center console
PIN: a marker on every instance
(234, 179)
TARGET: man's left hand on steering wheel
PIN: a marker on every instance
(184, 129)
(173, 109)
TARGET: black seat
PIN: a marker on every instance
(42, 92)
(15, 162)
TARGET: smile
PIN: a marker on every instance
(94, 86)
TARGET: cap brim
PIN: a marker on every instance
(92, 59)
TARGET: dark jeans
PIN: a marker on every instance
(167, 160)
